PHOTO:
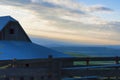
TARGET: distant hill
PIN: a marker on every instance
(78, 49)
(90, 50)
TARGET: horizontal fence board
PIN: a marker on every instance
(23, 72)
(63, 59)
(59, 64)
(101, 73)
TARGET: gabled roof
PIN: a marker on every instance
(26, 50)
(4, 20)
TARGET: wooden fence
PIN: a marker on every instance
(60, 68)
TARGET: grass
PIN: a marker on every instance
(91, 62)
(76, 55)
(6, 66)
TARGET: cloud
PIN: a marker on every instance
(73, 5)
(35, 1)
(52, 18)
(99, 8)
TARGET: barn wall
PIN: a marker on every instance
(19, 34)
(32, 65)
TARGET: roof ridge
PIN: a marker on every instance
(5, 19)
(8, 18)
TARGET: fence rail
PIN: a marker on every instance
(58, 68)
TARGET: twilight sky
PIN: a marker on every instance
(76, 21)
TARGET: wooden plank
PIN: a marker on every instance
(84, 78)
(23, 72)
(93, 67)
(67, 59)
(90, 58)
(97, 72)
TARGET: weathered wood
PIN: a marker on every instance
(94, 67)
(62, 67)
(97, 72)
(67, 59)
(90, 59)
(23, 72)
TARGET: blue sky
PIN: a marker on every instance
(112, 4)
(76, 21)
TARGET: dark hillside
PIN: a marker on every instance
(91, 51)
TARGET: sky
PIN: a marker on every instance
(73, 21)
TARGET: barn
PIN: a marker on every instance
(21, 58)
(14, 43)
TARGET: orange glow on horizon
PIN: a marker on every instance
(72, 38)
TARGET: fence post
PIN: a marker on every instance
(14, 63)
(87, 61)
(117, 60)
(50, 67)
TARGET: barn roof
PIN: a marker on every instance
(4, 20)
(26, 50)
